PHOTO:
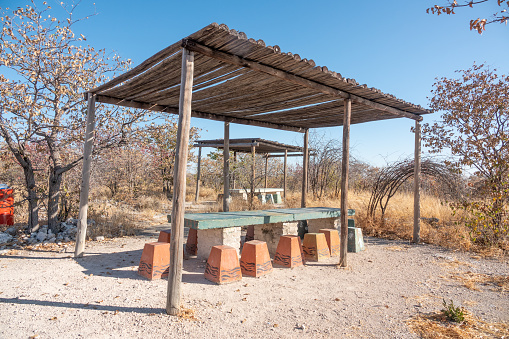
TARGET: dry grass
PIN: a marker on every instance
(112, 220)
(436, 326)
(471, 280)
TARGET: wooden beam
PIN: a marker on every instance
(289, 155)
(85, 178)
(231, 145)
(285, 168)
(195, 114)
(242, 62)
(417, 181)
(344, 184)
(226, 167)
(305, 165)
(198, 172)
(179, 188)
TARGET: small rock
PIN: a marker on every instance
(99, 238)
(52, 239)
(5, 238)
(41, 236)
(11, 231)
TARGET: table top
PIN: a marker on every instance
(200, 221)
(257, 190)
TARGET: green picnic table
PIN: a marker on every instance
(203, 221)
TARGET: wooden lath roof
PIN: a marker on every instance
(244, 145)
(244, 81)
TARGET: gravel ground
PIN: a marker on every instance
(47, 294)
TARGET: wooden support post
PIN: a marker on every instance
(253, 175)
(198, 172)
(266, 168)
(344, 183)
(233, 174)
(417, 182)
(226, 167)
(284, 174)
(179, 189)
(85, 178)
(305, 165)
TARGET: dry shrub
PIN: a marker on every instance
(156, 203)
(112, 221)
(438, 226)
(436, 326)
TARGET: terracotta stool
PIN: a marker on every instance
(192, 242)
(155, 260)
(223, 265)
(288, 252)
(255, 259)
(250, 233)
(315, 246)
(164, 236)
(300, 247)
(332, 238)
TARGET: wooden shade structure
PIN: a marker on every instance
(247, 145)
(218, 73)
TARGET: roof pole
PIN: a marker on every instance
(253, 174)
(284, 174)
(344, 183)
(198, 172)
(85, 177)
(226, 167)
(266, 168)
(179, 189)
(305, 165)
(417, 180)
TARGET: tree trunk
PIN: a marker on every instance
(33, 205)
(55, 181)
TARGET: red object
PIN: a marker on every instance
(255, 259)
(6, 206)
(155, 260)
(288, 252)
(223, 265)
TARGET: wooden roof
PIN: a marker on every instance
(244, 145)
(244, 81)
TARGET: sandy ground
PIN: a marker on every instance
(47, 294)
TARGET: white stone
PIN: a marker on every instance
(99, 238)
(217, 236)
(315, 225)
(270, 233)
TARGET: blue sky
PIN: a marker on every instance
(391, 45)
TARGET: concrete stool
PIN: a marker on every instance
(332, 238)
(255, 259)
(250, 233)
(192, 242)
(315, 247)
(155, 260)
(223, 265)
(164, 236)
(355, 240)
(288, 252)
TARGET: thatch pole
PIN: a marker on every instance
(179, 190)
(85, 178)
(417, 180)
(344, 183)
